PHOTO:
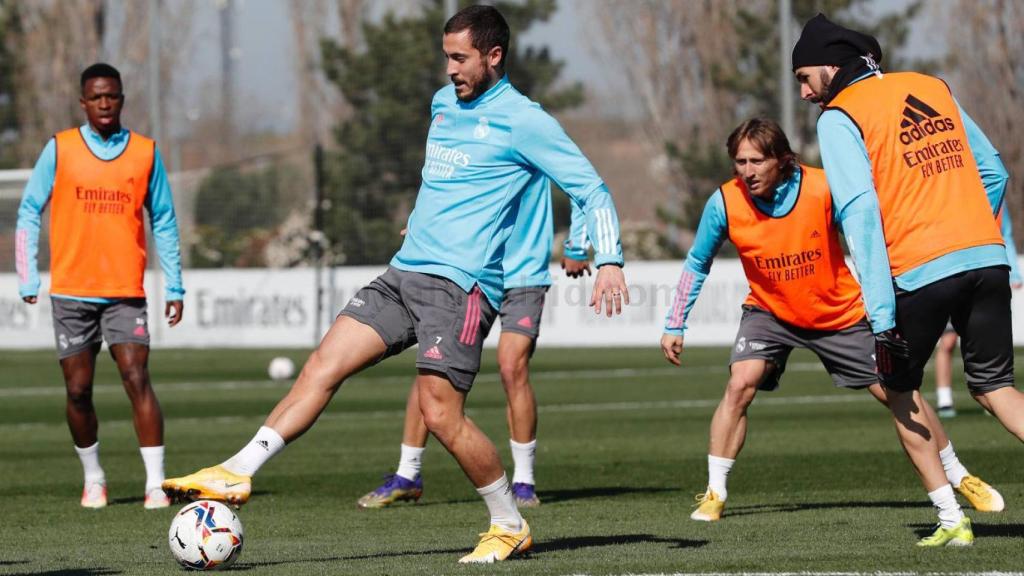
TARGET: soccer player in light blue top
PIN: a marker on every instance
(97, 179)
(485, 144)
(915, 203)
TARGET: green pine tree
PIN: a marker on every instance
(374, 173)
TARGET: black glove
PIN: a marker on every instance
(889, 347)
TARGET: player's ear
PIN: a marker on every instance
(494, 56)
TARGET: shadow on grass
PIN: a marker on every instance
(139, 499)
(552, 496)
(552, 545)
(775, 508)
(69, 572)
(980, 530)
(579, 542)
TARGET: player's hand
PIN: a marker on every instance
(1016, 285)
(672, 348)
(890, 346)
(609, 290)
(30, 299)
(172, 311)
(575, 268)
(403, 231)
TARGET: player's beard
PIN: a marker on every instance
(826, 84)
(482, 84)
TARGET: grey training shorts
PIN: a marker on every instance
(848, 354)
(78, 325)
(406, 308)
(521, 309)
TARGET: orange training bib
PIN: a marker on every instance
(97, 236)
(794, 263)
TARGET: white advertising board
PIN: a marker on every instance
(268, 308)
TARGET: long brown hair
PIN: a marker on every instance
(767, 136)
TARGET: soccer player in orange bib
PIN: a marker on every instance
(97, 179)
(779, 215)
(921, 185)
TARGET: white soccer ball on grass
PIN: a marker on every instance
(205, 535)
(281, 368)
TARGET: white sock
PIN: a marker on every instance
(955, 471)
(263, 446)
(945, 396)
(718, 473)
(411, 463)
(501, 504)
(153, 460)
(523, 456)
(945, 502)
(90, 458)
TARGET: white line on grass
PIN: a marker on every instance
(546, 409)
(536, 375)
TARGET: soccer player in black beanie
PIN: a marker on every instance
(897, 148)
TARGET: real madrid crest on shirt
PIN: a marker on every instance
(482, 129)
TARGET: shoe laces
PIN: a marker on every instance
(507, 538)
(972, 484)
(391, 482)
(702, 497)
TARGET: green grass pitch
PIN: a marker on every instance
(822, 485)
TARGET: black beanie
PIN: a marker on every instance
(824, 43)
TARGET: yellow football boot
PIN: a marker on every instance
(214, 483)
(982, 497)
(709, 507)
(959, 535)
(497, 544)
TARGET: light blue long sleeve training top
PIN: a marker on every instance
(577, 242)
(481, 158)
(528, 250)
(159, 204)
(855, 202)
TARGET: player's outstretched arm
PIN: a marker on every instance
(672, 348)
(610, 291)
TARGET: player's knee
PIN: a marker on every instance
(79, 394)
(439, 419)
(947, 343)
(135, 380)
(513, 373)
(740, 390)
(317, 374)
